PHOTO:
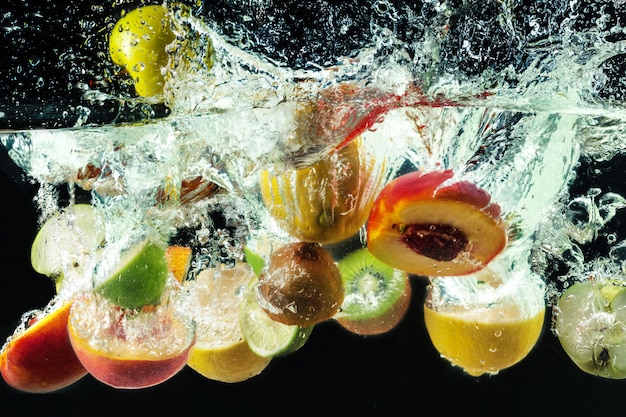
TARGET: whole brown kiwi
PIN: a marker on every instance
(302, 285)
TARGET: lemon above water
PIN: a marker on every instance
(138, 43)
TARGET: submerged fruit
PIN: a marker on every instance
(178, 261)
(423, 226)
(483, 341)
(485, 322)
(591, 327)
(40, 358)
(301, 285)
(328, 201)
(267, 337)
(138, 279)
(67, 244)
(138, 43)
(127, 348)
(221, 352)
(377, 296)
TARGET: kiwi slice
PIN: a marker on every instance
(377, 296)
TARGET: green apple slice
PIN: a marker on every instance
(592, 328)
(266, 337)
(68, 243)
(139, 278)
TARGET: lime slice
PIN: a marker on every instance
(266, 337)
(139, 278)
(67, 243)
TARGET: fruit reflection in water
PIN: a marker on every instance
(425, 226)
(328, 201)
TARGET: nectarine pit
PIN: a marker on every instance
(437, 241)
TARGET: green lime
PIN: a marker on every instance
(68, 243)
(266, 337)
(139, 278)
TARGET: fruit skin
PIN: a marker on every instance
(257, 326)
(482, 345)
(377, 296)
(302, 285)
(127, 373)
(137, 43)
(141, 280)
(590, 322)
(326, 202)
(134, 368)
(230, 364)
(421, 225)
(221, 352)
(383, 323)
(41, 359)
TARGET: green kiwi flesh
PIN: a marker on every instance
(371, 287)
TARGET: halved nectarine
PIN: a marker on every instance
(39, 358)
(129, 348)
(425, 226)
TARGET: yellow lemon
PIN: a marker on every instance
(138, 43)
(483, 340)
(221, 352)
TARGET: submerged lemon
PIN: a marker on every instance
(267, 337)
(483, 340)
(221, 352)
